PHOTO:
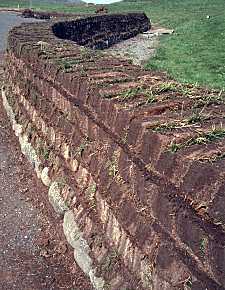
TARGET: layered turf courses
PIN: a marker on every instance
(137, 156)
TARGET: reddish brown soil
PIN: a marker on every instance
(34, 253)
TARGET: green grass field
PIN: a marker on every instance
(46, 6)
(195, 53)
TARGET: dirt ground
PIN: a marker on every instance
(34, 254)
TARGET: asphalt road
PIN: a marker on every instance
(7, 21)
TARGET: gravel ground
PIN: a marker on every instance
(140, 48)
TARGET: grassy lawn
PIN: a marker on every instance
(195, 53)
(46, 6)
(12, 3)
